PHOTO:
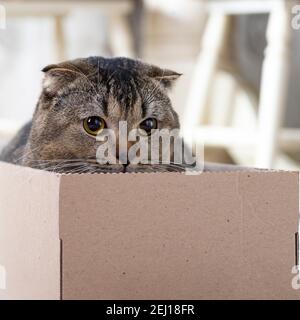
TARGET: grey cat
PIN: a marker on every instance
(81, 97)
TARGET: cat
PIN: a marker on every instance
(83, 96)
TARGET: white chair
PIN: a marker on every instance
(267, 140)
(120, 35)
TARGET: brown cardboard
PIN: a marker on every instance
(218, 235)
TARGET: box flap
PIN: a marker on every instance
(29, 235)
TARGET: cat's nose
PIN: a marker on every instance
(125, 167)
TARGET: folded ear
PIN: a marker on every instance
(59, 75)
(165, 77)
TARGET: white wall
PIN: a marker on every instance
(28, 44)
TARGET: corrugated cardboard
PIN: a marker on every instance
(217, 235)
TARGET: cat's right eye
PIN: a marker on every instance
(148, 125)
(94, 125)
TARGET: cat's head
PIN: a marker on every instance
(82, 96)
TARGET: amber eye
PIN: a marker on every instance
(148, 124)
(93, 125)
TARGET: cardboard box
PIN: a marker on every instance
(222, 235)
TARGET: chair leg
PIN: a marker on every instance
(2, 17)
(273, 91)
(59, 38)
(205, 68)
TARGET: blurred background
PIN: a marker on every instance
(240, 89)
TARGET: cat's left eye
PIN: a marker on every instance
(93, 125)
(148, 125)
